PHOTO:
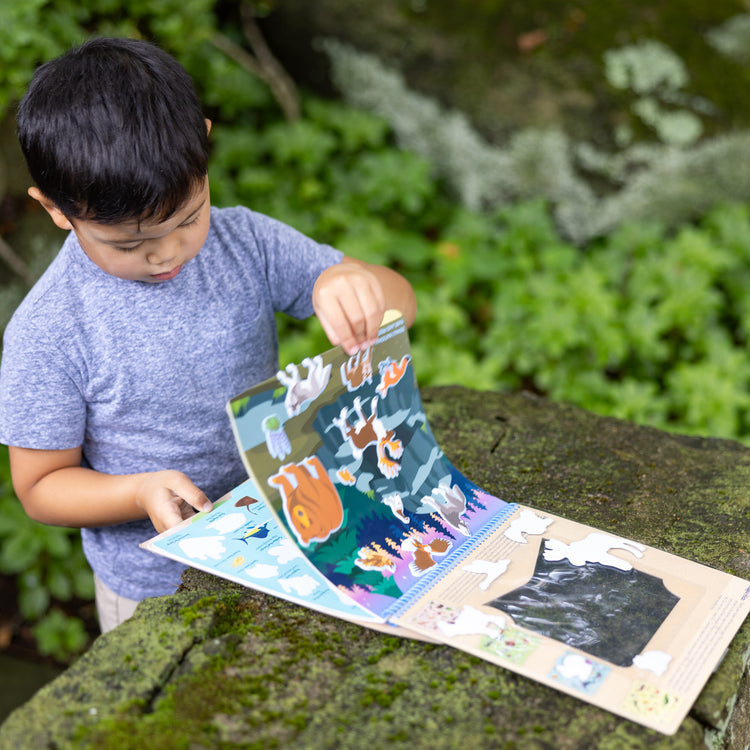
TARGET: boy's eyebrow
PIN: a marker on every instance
(137, 241)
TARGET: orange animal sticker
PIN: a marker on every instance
(310, 501)
(390, 374)
(345, 476)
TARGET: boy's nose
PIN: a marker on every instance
(165, 253)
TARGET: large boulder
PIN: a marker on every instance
(510, 66)
(220, 666)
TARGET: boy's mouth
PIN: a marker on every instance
(167, 275)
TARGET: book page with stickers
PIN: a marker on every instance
(241, 540)
(341, 450)
(621, 625)
(346, 473)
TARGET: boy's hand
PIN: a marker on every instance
(350, 302)
(54, 488)
(169, 497)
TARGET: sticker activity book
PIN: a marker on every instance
(353, 510)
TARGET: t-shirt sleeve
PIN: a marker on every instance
(40, 404)
(293, 262)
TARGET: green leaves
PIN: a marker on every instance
(32, 31)
(49, 564)
(60, 636)
(642, 324)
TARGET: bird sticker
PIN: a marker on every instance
(450, 503)
(491, 570)
(424, 554)
(391, 373)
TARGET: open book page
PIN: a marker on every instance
(241, 540)
(360, 515)
(341, 449)
(626, 627)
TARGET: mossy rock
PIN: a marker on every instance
(516, 65)
(220, 666)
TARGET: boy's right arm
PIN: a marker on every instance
(55, 489)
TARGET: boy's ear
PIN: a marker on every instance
(55, 213)
(208, 125)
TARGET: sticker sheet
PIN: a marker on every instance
(240, 540)
(353, 509)
(618, 624)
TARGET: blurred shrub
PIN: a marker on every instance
(645, 323)
(35, 30)
(48, 564)
(672, 177)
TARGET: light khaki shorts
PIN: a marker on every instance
(111, 608)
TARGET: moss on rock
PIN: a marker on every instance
(221, 666)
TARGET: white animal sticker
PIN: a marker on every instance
(472, 621)
(655, 661)
(489, 569)
(593, 548)
(204, 547)
(527, 522)
(302, 392)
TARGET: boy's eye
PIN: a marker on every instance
(135, 247)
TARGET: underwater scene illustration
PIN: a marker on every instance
(350, 465)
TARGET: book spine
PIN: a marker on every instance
(452, 560)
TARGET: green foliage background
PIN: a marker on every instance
(647, 323)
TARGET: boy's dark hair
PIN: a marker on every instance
(113, 130)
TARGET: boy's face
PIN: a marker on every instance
(148, 251)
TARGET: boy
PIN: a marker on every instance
(117, 366)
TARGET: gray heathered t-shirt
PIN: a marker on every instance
(139, 374)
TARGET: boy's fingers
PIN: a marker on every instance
(350, 304)
(164, 496)
(340, 329)
(193, 496)
(168, 517)
(361, 316)
(371, 309)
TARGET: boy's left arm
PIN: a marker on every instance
(351, 297)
